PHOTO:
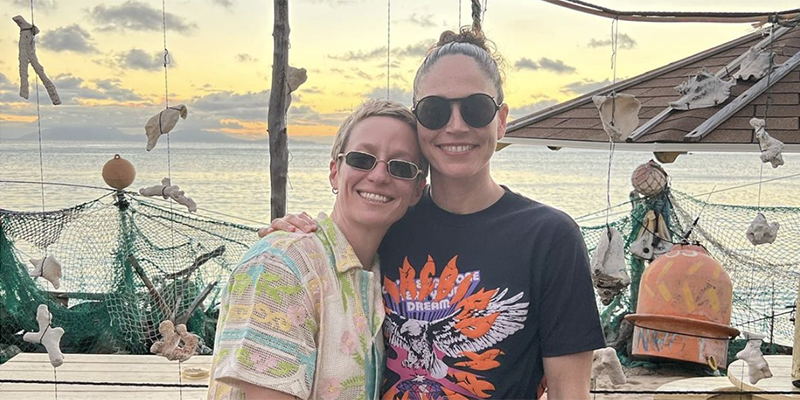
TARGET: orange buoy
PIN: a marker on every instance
(684, 308)
(118, 173)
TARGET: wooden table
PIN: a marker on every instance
(781, 381)
(700, 384)
(100, 368)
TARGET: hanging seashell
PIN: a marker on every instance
(605, 360)
(771, 148)
(49, 337)
(702, 91)
(174, 192)
(619, 114)
(48, 268)
(649, 179)
(163, 123)
(761, 232)
(757, 365)
(609, 270)
(756, 65)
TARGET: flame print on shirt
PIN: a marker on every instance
(429, 318)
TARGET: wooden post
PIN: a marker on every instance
(276, 120)
(796, 347)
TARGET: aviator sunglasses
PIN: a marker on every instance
(477, 110)
(399, 169)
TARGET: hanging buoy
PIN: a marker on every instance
(118, 173)
(649, 179)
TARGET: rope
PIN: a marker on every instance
(459, 14)
(388, 45)
(611, 144)
(476, 16)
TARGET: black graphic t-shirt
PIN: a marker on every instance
(473, 302)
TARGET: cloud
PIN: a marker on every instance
(223, 3)
(243, 58)
(518, 112)
(584, 86)
(140, 59)
(5, 83)
(361, 55)
(68, 38)
(417, 50)
(73, 88)
(226, 104)
(45, 5)
(425, 21)
(546, 64)
(395, 93)
(624, 42)
(136, 16)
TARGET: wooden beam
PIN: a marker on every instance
(162, 305)
(745, 98)
(196, 303)
(649, 146)
(276, 120)
(202, 259)
(724, 71)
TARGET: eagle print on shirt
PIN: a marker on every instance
(430, 318)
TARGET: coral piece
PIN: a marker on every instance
(619, 114)
(173, 192)
(48, 268)
(702, 91)
(757, 365)
(609, 273)
(49, 337)
(756, 65)
(653, 238)
(27, 54)
(176, 342)
(761, 232)
(605, 360)
(649, 179)
(294, 78)
(770, 147)
(163, 123)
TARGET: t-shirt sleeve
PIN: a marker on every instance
(569, 320)
(267, 328)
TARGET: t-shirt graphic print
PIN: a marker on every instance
(444, 329)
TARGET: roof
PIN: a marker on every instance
(725, 127)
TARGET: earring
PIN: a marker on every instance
(334, 190)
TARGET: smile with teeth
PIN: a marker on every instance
(461, 148)
(374, 197)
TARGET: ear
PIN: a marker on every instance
(502, 114)
(334, 175)
(419, 189)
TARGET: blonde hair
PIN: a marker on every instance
(376, 108)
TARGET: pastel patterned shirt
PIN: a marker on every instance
(301, 316)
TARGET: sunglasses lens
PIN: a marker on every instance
(402, 169)
(433, 112)
(478, 110)
(359, 160)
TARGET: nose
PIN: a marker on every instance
(456, 123)
(379, 173)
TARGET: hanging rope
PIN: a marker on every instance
(459, 14)
(388, 46)
(38, 114)
(476, 16)
(611, 144)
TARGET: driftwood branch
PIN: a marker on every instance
(197, 263)
(150, 287)
(196, 303)
(276, 118)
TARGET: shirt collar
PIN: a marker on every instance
(343, 254)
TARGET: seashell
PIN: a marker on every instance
(702, 91)
(609, 270)
(756, 64)
(761, 232)
(757, 366)
(619, 114)
(771, 148)
(48, 268)
(162, 123)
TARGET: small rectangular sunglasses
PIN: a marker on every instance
(477, 110)
(399, 169)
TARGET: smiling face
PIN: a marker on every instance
(458, 151)
(374, 199)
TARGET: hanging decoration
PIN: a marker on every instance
(619, 113)
(47, 336)
(755, 65)
(27, 55)
(649, 179)
(609, 270)
(652, 239)
(48, 268)
(605, 360)
(176, 342)
(118, 172)
(168, 191)
(770, 147)
(760, 231)
(702, 91)
(757, 365)
(163, 123)
(294, 78)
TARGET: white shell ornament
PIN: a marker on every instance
(649, 179)
(609, 271)
(163, 123)
(771, 148)
(619, 114)
(755, 65)
(702, 91)
(757, 366)
(605, 360)
(48, 268)
(176, 342)
(49, 337)
(761, 232)
(168, 191)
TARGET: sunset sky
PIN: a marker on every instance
(105, 56)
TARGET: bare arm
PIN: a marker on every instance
(290, 223)
(253, 392)
(568, 376)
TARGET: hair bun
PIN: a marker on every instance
(465, 35)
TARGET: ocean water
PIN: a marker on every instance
(231, 181)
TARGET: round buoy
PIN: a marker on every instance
(649, 179)
(118, 172)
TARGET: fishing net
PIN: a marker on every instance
(764, 277)
(108, 248)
